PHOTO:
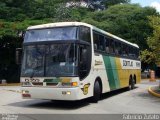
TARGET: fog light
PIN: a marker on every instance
(64, 92)
(25, 92)
(68, 92)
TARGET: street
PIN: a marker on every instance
(116, 102)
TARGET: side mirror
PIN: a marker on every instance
(18, 55)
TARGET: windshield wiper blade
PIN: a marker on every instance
(33, 71)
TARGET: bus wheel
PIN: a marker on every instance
(131, 84)
(97, 92)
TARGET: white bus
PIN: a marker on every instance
(75, 60)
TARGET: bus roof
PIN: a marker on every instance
(60, 24)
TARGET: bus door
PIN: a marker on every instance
(84, 60)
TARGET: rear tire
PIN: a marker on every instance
(97, 92)
(131, 84)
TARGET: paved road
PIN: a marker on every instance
(118, 102)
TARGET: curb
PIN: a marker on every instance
(153, 93)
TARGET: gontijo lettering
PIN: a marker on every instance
(127, 63)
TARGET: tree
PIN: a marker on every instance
(148, 59)
(154, 40)
(124, 20)
(127, 21)
(108, 3)
(151, 56)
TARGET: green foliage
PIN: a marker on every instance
(148, 57)
(114, 2)
(154, 40)
(12, 28)
(126, 21)
(152, 56)
(62, 13)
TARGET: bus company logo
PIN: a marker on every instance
(85, 88)
(127, 63)
(31, 80)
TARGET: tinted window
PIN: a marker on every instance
(84, 34)
(124, 50)
(111, 46)
(96, 41)
(131, 52)
(99, 42)
(117, 48)
(136, 53)
(84, 60)
(51, 34)
(107, 45)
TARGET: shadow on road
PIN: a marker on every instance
(68, 105)
(48, 104)
(115, 92)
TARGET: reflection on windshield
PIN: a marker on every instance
(60, 60)
(33, 61)
(49, 60)
(62, 33)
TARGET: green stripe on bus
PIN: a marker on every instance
(112, 73)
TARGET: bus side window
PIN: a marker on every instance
(96, 41)
(136, 53)
(107, 45)
(117, 48)
(124, 50)
(111, 47)
(84, 34)
(101, 43)
(127, 50)
(131, 52)
(120, 48)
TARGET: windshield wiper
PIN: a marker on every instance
(33, 71)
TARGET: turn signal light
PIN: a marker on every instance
(74, 84)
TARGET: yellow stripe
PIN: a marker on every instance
(121, 74)
(124, 74)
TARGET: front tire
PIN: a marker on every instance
(97, 92)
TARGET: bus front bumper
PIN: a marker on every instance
(50, 93)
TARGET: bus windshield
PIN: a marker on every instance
(49, 60)
(51, 34)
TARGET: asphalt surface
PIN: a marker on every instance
(136, 101)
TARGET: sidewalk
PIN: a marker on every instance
(155, 90)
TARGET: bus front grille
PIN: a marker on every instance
(51, 84)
